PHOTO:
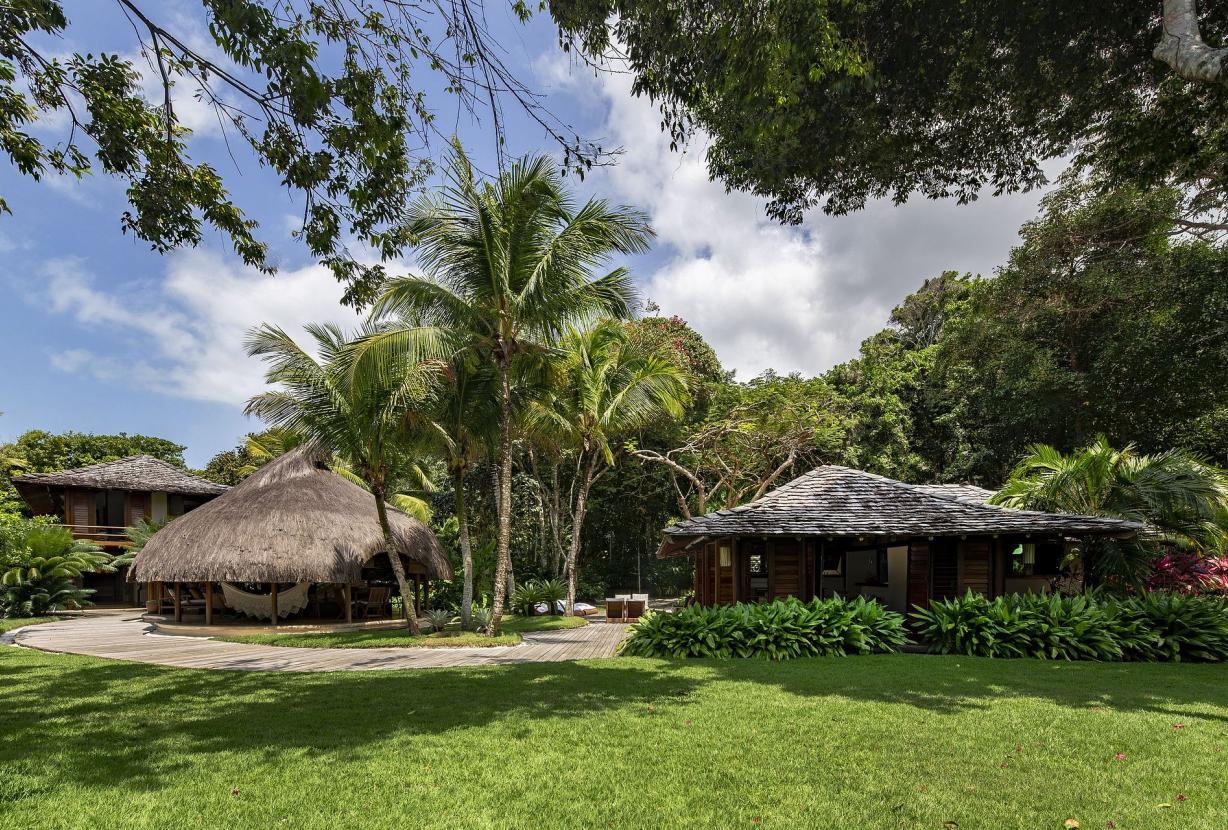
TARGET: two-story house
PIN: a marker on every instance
(100, 501)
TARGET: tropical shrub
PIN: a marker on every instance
(438, 618)
(1151, 626)
(1189, 573)
(774, 630)
(526, 595)
(532, 592)
(481, 617)
(553, 591)
(40, 562)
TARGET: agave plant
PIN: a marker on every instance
(481, 617)
(438, 618)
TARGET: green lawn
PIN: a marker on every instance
(901, 741)
(513, 627)
(17, 622)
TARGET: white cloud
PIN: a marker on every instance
(182, 335)
(771, 296)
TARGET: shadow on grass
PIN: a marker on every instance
(130, 713)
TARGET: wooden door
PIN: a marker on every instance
(944, 568)
(786, 568)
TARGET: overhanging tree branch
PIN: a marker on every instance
(1182, 47)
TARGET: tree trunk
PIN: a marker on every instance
(1183, 49)
(577, 525)
(394, 558)
(462, 521)
(503, 552)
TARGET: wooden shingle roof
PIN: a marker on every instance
(837, 501)
(136, 472)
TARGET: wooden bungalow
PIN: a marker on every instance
(844, 531)
(293, 525)
(100, 501)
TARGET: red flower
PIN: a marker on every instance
(1178, 726)
(1121, 756)
(1180, 797)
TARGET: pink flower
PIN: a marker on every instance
(1121, 756)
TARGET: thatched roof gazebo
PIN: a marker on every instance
(292, 521)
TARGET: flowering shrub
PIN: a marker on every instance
(1190, 573)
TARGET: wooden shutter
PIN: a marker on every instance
(944, 568)
(137, 508)
(974, 575)
(919, 574)
(79, 506)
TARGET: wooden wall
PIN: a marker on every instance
(786, 568)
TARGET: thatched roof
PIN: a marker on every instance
(837, 501)
(136, 472)
(293, 520)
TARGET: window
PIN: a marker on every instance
(756, 565)
(833, 563)
(1040, 559)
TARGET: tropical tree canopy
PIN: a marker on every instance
(368, 422)
(508, 266)
(834, 104)
(1182, 500)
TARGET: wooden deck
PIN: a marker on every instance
(122, 635)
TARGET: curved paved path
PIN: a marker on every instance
(123, 636)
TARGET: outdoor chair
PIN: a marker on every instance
(636, 607)
(372, 608)
(616, 609)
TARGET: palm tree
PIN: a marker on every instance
(606, 388)
(1182, 500)
(507, 266)
(368, 422)
(463, 430)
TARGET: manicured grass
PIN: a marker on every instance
(888, 741)
(8, 624)
(513, 627)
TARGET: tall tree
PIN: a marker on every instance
(507, 266)
(833, 104)
(605, 388)
(338, 99)
(1178, 496)
(369, 422)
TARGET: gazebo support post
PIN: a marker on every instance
(426, 592)
(208, 603)
(178, 605)
(149, 596)
(349, 603)
(274, 599)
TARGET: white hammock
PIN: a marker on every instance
(260, 606)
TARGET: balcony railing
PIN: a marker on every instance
(105, 535)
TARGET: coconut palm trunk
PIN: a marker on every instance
(577, 525)
(466, 546)
(503, 556)
(398, 568)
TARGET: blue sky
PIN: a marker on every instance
(101, 334)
